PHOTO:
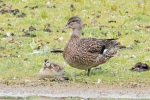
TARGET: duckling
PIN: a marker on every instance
(85, 53)
(50, 69)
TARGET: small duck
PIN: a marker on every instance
(50, 69)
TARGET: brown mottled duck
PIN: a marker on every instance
(85, 53)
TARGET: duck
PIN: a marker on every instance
(50, 69)
(86, 53)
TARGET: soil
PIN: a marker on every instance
(82, 90)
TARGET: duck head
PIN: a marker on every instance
(74, 23)
(46, 63)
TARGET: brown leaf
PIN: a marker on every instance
(111, 21)
(31, 28)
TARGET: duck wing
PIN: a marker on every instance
(56, 67)
(94, 45)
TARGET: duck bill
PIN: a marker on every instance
(65, 27)
(44, 65)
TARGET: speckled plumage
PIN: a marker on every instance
(50, 69)
(85, 53)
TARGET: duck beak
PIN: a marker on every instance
(44, 65)
(66, 26)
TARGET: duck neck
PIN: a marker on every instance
(76, 33)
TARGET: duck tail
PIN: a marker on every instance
(111, 51)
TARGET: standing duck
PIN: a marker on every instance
(85, 53)
(50, 69)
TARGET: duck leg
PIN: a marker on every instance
(89, 72)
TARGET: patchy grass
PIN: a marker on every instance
(129, 20)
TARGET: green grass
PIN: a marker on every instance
(128, 14)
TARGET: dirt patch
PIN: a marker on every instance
(54, 89)
(140, 67)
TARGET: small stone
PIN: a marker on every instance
(36, 52)
(98, 81)
(48, 3)
(133, 56)
(8, 34)
(46, 49)
(24, 0)
(60, 38)
(126, 56)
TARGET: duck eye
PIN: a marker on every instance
(74, 21)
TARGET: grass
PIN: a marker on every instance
(129, 17)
